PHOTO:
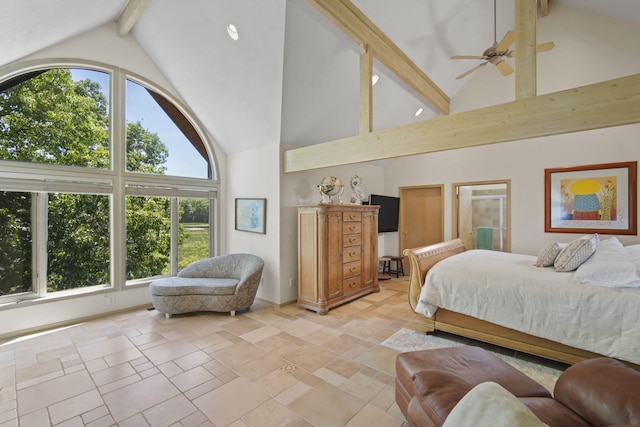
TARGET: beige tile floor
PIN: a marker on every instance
(265, 367)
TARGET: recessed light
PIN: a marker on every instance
(419, 111)
(374, 79)
(232, 31)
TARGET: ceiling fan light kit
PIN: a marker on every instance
(497, 52)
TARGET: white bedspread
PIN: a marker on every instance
(508, 290)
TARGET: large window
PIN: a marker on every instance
(151, 118)
(17, 240)
(77, 241)
(196, 230)
(91, 197)
(48, 117)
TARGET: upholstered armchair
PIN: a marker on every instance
(223, 283)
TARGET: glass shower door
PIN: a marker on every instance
(482, 217)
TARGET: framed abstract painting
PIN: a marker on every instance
(591, 199)
(251, 215)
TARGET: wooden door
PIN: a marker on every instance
(421, 217)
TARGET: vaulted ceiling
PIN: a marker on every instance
(292, 76)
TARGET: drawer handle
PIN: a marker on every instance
(352, 240)
(352, 254)
(352, 269)
(352, 216)
(353, 227)
(352, 284)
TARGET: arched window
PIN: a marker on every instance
(94, 196)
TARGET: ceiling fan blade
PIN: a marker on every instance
(543, 47)
(465, 74)
(467, 57)
(506, 41)
(504, 67)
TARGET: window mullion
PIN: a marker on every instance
(40, 235)
(213, 230)
(174, 235)
(118, 204)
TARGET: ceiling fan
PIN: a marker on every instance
(496, 53)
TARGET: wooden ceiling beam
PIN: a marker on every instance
(347, 17)
(130, 15)
(366, 90)
(600, 105)
(526, 78)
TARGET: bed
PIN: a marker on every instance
(609, 325)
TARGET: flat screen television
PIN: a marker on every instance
(388, 213)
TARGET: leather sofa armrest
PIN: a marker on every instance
(437, 392)
(603, 391)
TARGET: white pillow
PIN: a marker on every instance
(490, 405)
(576, 252)
(633, 252)
(609, 266)
(548, 254)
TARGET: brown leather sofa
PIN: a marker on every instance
(597, 392)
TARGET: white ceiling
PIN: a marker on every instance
(292, 77)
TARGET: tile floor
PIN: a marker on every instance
(265, 367)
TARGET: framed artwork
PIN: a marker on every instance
(591, 199)
(251, 215)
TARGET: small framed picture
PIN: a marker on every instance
(251, 215)
(591, 199)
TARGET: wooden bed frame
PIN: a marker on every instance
(422, 259)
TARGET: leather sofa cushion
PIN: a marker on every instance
(603, 391)
(553, 413)
(439, 378)
(473, 365)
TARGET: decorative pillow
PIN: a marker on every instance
(490, 405)
(576, 252)
(609, 266)
(548, 254)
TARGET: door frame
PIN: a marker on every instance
(454, 206)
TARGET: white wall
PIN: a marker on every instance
(101, 45)
(523, 162)
(255, 174)
(589, 48)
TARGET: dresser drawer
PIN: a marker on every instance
(351, 240)
(351, 216)
(351, 254)
(352, 228)
(351, 284)
(351, 268)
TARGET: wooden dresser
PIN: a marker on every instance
(337, 254)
